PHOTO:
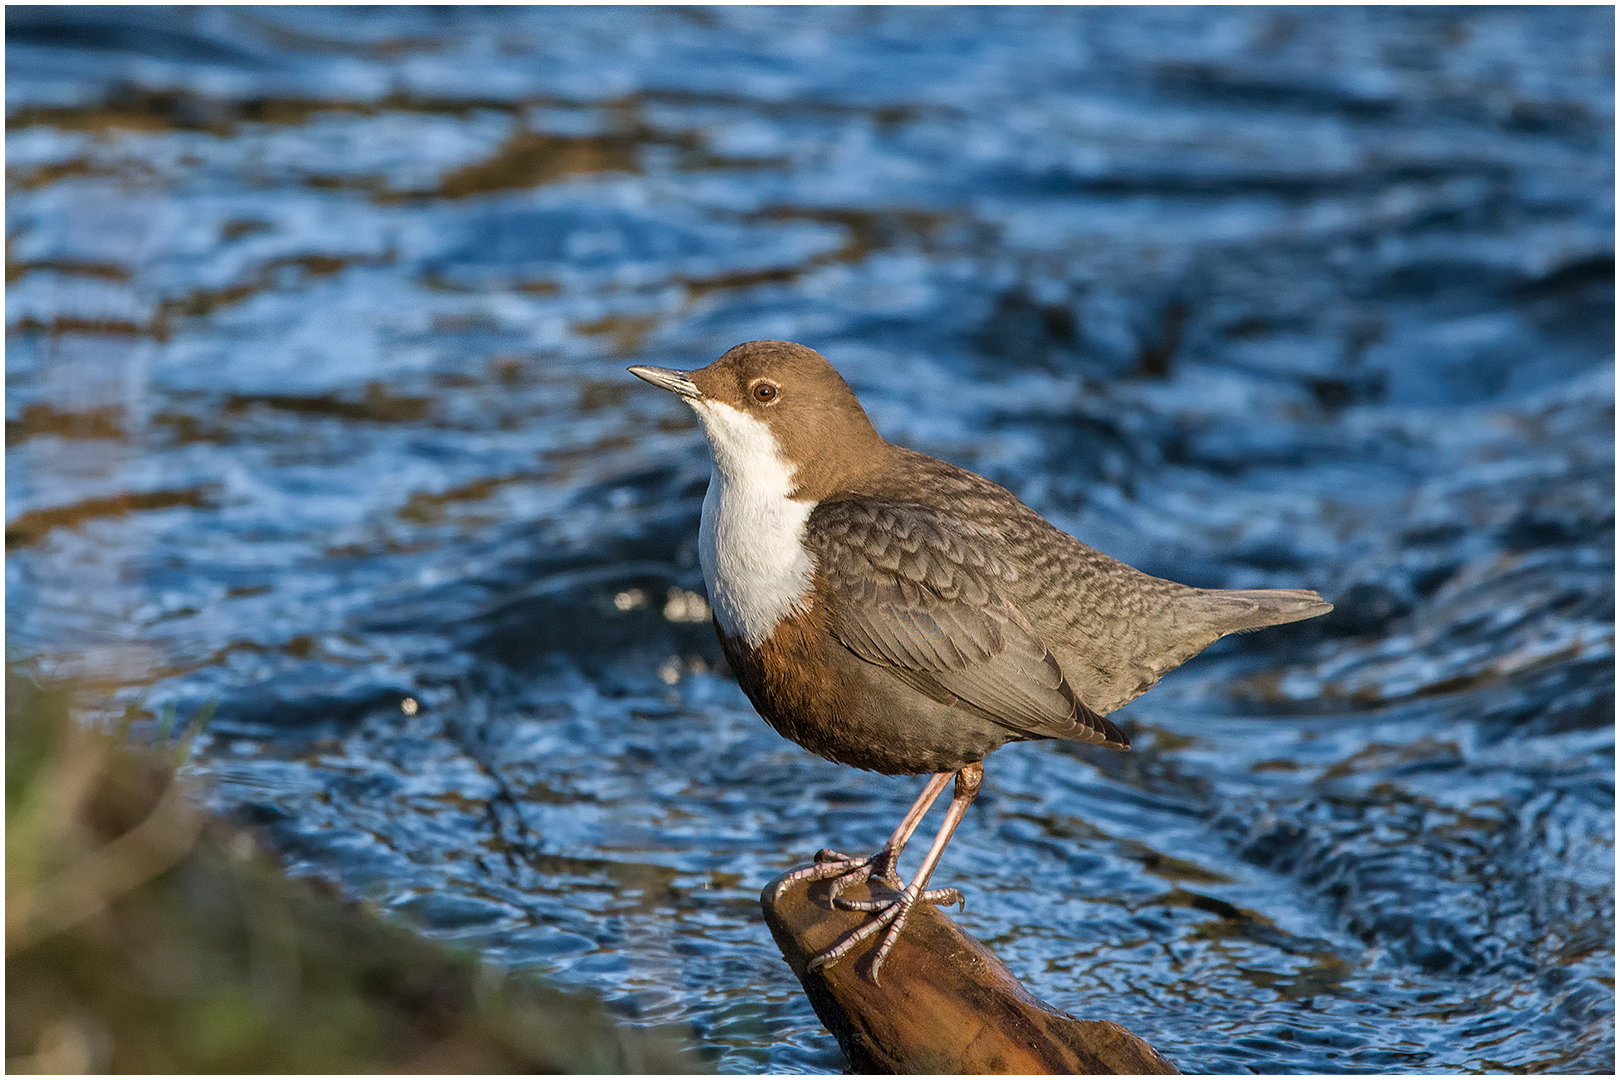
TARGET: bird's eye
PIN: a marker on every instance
(765, 392)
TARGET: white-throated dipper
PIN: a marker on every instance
(887, 610)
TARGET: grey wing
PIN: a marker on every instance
(919, 593)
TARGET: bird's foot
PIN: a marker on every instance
(845, 870)
(890, 913)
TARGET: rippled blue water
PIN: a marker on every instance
(316, 328)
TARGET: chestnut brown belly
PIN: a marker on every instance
(820, 695)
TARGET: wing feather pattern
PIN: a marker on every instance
(921, 594)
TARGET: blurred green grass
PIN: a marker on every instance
(142, 936)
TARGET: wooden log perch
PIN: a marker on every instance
(946, 1004)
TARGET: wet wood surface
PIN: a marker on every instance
(945, 1004)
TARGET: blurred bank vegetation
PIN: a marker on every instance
(144, 936)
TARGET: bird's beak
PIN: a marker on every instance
(669, 379)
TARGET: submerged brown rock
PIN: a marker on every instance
(946, 1004)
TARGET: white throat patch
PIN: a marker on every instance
(752, 538)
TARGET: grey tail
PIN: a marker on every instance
(1232, 610)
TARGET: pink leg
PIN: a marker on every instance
(893, 913)
(848, 871)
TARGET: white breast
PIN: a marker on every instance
(752, 538)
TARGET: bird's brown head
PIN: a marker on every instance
(766, 399)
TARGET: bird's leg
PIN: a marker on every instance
(885, 861)
(851, 871)
(894, 913)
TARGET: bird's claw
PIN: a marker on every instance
(845, 870)
(890, 913)
(932, 896)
